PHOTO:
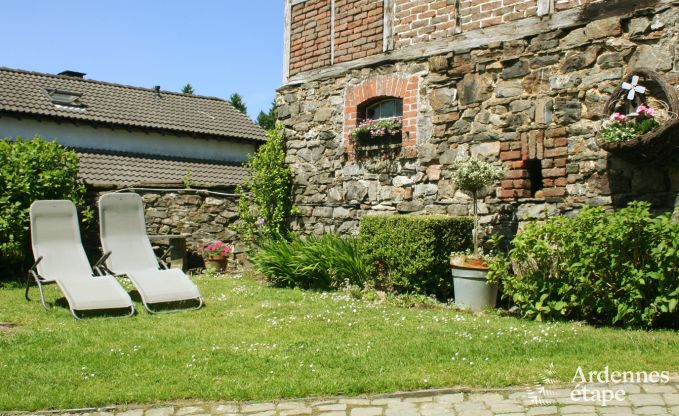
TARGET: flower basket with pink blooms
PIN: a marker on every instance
(641, 123)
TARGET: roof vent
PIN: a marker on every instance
(72, 74)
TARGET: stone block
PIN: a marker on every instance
(515, 69)
(603, 28)
(475, 88)
(507, 89)
(486, 150)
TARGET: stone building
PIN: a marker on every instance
(150, 141)
(521, 83)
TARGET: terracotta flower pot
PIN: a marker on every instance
(216, 263)
(464, 262)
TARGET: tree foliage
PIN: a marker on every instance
(237, 101)
(267, 120)
(473, 175)
(266, 209)
(31, 170)
(188, 89)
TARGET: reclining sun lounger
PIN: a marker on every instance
(60, 258)
(123, 235)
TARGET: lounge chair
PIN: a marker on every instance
(124, 240)
(60, 258)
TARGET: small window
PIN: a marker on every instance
(534, 168)
(61, 98)
(387, 108)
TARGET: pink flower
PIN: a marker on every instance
(618, 117)
(646, 111)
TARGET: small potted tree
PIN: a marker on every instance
(471, 287)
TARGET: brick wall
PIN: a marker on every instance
(358, 29)
(359, 25)
(309, 35)
(423, 20)
(550, 148)
(477, 14)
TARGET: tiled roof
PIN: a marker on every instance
(118, 169)
(114, 104)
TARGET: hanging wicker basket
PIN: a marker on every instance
(659, 143)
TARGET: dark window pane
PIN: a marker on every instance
(392, 107)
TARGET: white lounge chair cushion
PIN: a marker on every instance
(94, 292)
(55, 236)
(163, 285)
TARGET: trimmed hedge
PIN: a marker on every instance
(613, 268)
(411, 253)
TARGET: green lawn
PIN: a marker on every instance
(252, 342)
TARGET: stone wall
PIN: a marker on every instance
(202, 217)
(539, 97)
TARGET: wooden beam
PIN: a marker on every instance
(458, 19)
(464, 41)
(545, 7)
(332, 32)
(388, 25)
(286, 41)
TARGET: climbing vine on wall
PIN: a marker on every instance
(266, 207)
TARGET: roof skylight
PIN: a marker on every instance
(65, 98)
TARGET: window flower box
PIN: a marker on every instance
(380, 132)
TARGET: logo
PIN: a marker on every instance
(539, 393)
(599, 387)
(588, 389)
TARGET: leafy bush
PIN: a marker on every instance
(412, 253)
(312, 262)
(618, 268)
(31, 170)
(266, 210)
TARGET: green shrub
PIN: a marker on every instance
(311, 263)
(31, 170)
(619, 268)
(266, 210)
(412, 253)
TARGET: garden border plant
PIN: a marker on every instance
(411, 253)
(33, 169)
(613, 268)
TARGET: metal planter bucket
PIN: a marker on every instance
(471, 289)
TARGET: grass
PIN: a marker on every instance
(253, 342)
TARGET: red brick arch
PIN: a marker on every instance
(383, 86)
